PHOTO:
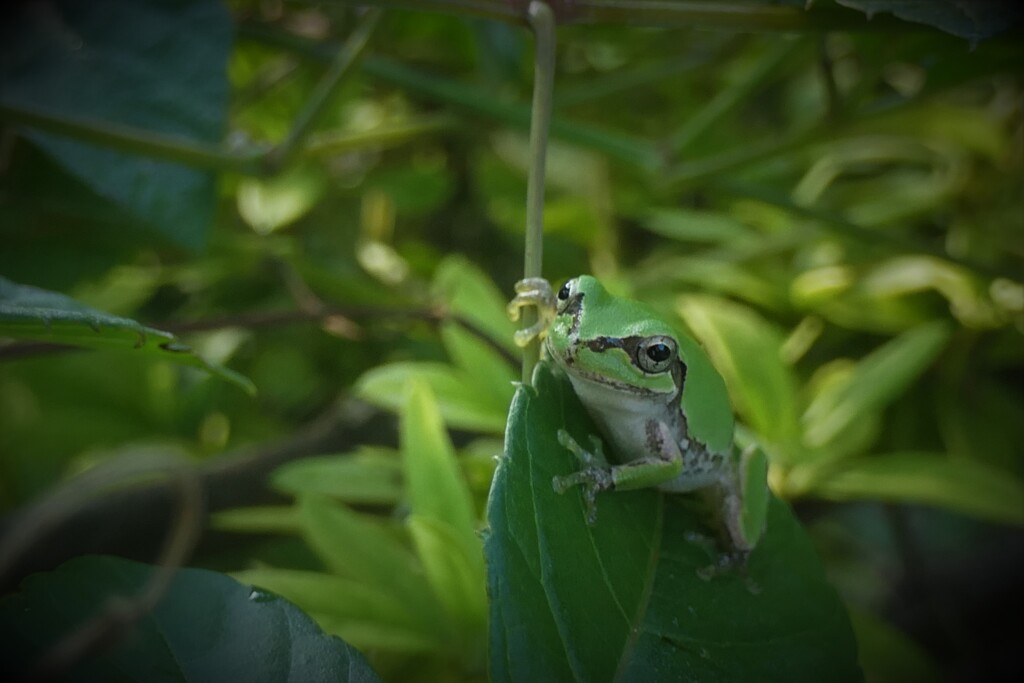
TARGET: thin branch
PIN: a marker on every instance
(342, 65)
(735, 16)
(129, 139)
(270, 319)
(120, 613)
(543, 22)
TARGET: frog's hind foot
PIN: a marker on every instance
(732, 562)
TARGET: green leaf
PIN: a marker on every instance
(30, 313)
(443, 524)
(878, 379)
(966, 486)
(461, 404)
(167, 74)
(207, 627)
(972, 20)
(888, 655)
(456, 572)
(470, 294)
(622, 600)
(370, 476)
(356, 548)
(351, 608)
(434, 482)
(691, 225)
(275, 519)
(747, 351)
(272, 203)
(491, 374)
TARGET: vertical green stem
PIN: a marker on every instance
(542, 20)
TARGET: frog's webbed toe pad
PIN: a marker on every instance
(593, 480)
(733, 562)
(532, 291)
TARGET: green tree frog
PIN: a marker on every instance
(657, 400)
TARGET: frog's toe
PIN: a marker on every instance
(730, 562)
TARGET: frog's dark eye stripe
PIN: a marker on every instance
(656, 354)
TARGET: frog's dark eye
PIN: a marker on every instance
(655, 354)
(567, 295)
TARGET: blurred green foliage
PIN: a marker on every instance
(836, 216)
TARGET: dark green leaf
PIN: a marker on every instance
(31, 313)
(154, 65)
(878, 379)
(207, 627)
(973, 20)
(622, 600)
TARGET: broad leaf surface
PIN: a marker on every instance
(153, 65)
(207, 627)
(622, 600)
(31, 313)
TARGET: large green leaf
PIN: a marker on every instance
(462, 403)
(967, 486)
(470, 294)
(746, 349)
(31, 313)
(207, 627)
(443, 524)
(355, 547)
(154, 65)
(622, 600)
(878, 379)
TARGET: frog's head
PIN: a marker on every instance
(615, 342)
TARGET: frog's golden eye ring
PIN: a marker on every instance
(656, 354)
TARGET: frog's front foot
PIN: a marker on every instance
(595, 475)
(532, 291)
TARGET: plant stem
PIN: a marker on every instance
(542, 19)
(131, 140)
(342, 65)
(728, 98)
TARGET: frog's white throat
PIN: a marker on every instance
(623, 415)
